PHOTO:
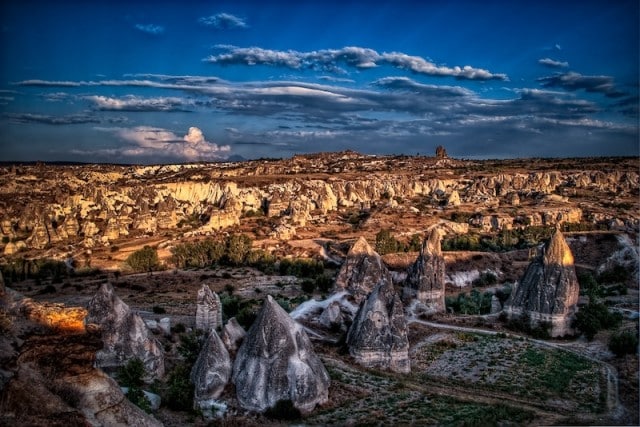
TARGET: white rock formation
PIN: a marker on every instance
(211, 372)
(208, 310)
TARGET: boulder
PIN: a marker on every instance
(233, 334)
(426, 277)
(331, 316)
(276, 361)
(124, 334)
(211, 372)
(378, 336)
(361, 271)
(208, 310)
(548, 291)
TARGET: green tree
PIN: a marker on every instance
(145, 259)
(386, 243)
(625, 342)
(238, 247)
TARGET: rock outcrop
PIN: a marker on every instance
(233, 334)
(276, 361)
(208, 310)
(378, 336)
(426, 277)
(211, 372)
(362, 271)
(124, 334)
(548, 291)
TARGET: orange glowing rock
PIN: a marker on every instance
(56, 316)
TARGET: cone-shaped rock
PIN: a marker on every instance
(232, 335)
(548, 291)
(378, 336)
(211, 372)
(124, 334)
(362, 271)
(276, 361)
(208, 310)
(425, 278)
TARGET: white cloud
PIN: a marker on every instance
(223, 21)
(353, 56)
(553, 63)
(157, 142)
(150, 29)
(135, 103)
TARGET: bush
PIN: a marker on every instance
(144, 260)
(308, 286)
(283, 410)
(486, 278)
(179, 393)
(616, 274)
(238, 246)
(625, 342)
(131, 374)
(190, 346)
(324, 283)
(301, 267)
(137, 397)
(386, 243)
(158, 310)
(594, 317)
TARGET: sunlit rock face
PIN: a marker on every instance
(426, 277)
(362, 271)
(124, 334)
(211, 372)
(54, 381)
(378, 336)
(55, 316)
(208, 310)
(549, 289)
(276, 361)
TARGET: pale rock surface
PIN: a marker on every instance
(276, 361)
(208, 310)
(549, 289)
(378, 336)
(124, 334)
(362, 271)
(426, 277)
(331, 316)
(233, 334)
(211, 372)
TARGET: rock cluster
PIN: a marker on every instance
(276, 361)
(362, 270)
(378, 336)
(548, 291)
(426, 277)
(208, 310)
(124, 334)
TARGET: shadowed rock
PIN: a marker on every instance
(211, 372)
(277, 362)
(208, 310)
(548, 291)
(124, 334)
(232, 335)
(362, 271)
(425, 278)
(378, 336)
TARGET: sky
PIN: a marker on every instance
(185, 81)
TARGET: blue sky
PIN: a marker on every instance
(161, 82)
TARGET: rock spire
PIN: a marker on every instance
(425, 278)
(362, 271)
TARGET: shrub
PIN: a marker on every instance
(308, 286)
(137, 397)
(616, 274)
(190, 346)
(595, 316)
(324, 283)
(486, 278)
(144, 260)
(625, 342)
(283, 410)
(238, 246)
(131, 374)
(179, 393)
(301, 267)
(386, 243)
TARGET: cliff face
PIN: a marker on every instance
(549, 289)
(109, 202)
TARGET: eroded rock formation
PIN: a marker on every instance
(211, 372)
(124, 334)
(378, 336)
(208, 310)
(426, 278)
(276, 361)
(362, 271)
(548, 291)
(233, 334)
